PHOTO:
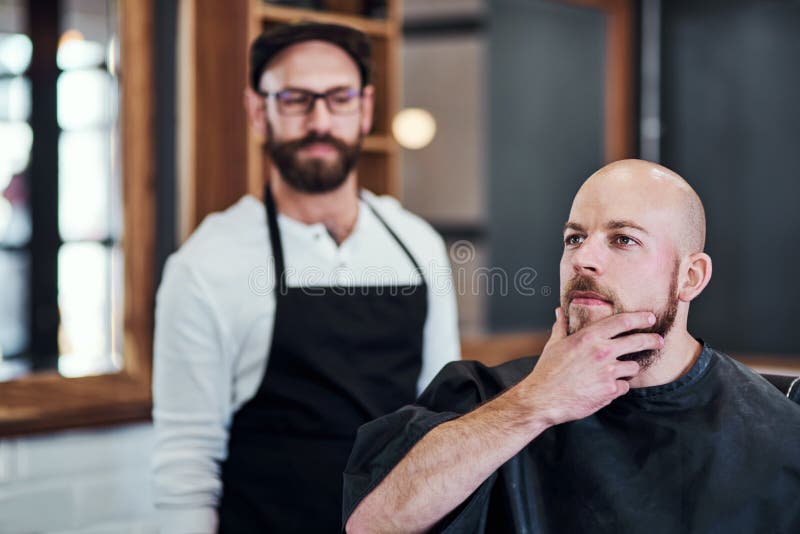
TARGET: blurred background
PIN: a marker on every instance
(121, 127)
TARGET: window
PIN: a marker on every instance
(62, 275)
(16, 138)
(63, 260)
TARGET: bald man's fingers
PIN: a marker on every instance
(619, 323)
(627, 370)
(631, 343)
(622, 387)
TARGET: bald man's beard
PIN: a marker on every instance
(312, 175)
(665, 317)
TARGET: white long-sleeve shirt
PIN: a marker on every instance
(215, 310)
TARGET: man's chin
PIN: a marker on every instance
(582, 316)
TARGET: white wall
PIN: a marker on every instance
(78, 481)
(446, 181)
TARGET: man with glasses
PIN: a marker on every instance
(283, 326)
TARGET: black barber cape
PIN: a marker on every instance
(718, 450)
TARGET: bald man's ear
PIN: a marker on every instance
(254, 105)
(697, 274)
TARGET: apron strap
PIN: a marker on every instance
(396, 238)
(275, 238)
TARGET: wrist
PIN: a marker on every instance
(534, 416)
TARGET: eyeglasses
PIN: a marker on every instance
(294, 102)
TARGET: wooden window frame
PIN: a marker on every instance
(44, 402)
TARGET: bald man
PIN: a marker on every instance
(625, 423)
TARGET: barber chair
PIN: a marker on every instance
(788, 385)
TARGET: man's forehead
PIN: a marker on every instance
(315, 65)
(612, 208)
(646, 193)
(628, 192)
(607, 202)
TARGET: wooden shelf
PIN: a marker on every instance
(384, 144)
(285, 15)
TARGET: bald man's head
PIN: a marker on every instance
(657, 187)
(634, 242)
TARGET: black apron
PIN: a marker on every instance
(340, 357)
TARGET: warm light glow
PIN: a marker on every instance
(414, 128)
(78, 54)
(75, 52)
(70, 35)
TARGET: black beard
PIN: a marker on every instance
(313, 176)
(665, 318)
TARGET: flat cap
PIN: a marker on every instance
(269, 43)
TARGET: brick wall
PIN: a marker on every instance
(80, 481)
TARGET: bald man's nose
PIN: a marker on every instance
(588, 258)
(319, 119)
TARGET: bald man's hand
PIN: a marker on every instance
(575, 376)
(578, 374)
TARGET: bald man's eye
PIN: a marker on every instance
(625, 241)
(573, 239)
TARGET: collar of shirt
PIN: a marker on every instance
(317, 236)
(368, 255)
